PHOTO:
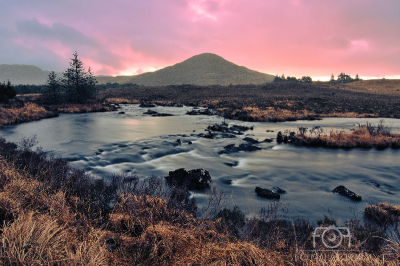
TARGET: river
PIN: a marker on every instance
(103, 143)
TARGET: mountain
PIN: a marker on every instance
(24, 74)
(202, 69)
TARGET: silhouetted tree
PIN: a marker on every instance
(332, 78)
(306, 79)
(344, 78)
(357, 77)
(79, 85)
(53, 90)
(7, 92)
(292, 79)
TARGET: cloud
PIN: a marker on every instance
(295, 37)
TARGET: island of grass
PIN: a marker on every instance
(366, 136)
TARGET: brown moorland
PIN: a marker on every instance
(269, 102)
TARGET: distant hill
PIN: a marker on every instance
(24, 74)
(202, 69)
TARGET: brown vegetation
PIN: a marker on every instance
(366, 136)
(51, 214)
(28, 112)
(80, 108)
(269, 102)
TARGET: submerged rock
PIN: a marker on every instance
(267, 193)
(196, 179)
(342, 190)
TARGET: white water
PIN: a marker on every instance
(137, 143)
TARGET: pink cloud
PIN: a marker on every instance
(295, 37)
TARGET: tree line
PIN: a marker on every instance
(341, 78)
(304, 79)
(7, 92)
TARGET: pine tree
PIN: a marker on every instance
(52, 90)
(7, 92)
(80, 86)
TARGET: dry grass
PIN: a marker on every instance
(29, 112)
(122, 100)
(53, 215)
(366, 136)
(80, 108)
(383, 213)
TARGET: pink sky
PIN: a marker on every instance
(295, 37)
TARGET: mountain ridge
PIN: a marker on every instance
(202, 69)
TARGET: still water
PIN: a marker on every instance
(104, 143)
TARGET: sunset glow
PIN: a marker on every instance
(291, 37)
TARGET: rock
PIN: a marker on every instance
(250, 140)
(279, 190)
(162, 114)
(268, 130)
(146, 105)
(121, 113)
(190, 143)
(248, 147)
(241, 128)
(201, 112)
(218, 127)
(268, 140)
(196, 179)
(342, 190)
(242, 147)
(150, 112)
(179, 141)
(266, 193)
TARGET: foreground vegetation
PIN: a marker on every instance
(51, 214)
(366, 136)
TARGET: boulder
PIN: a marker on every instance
(250, 140)
(196, 179)
(342, 190)
(267, 193)
(268, 140)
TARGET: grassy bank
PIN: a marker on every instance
(26, 113)
(51, 214)
(33, 109)
(366, 136)
(269, 102)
